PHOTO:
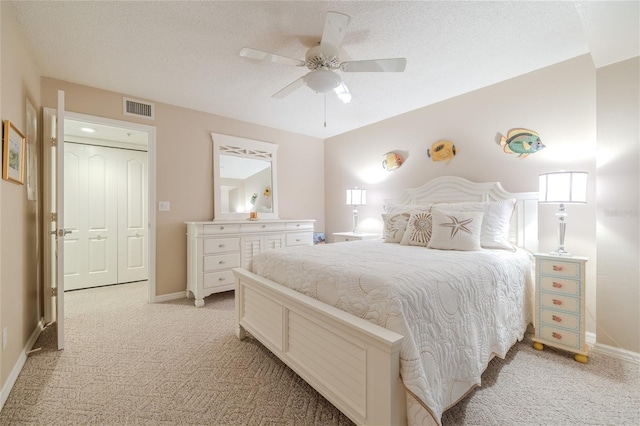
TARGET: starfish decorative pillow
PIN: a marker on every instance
(455, 230)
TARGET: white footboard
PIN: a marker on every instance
(350, 361)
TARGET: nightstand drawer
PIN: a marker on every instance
(556, 301)
(560, 337)
(560, 268)
(220, 245)
(217, 279)
(560, 319)
(223, 261)
(560, 285)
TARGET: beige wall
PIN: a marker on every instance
(618, 226)
(558, 102)
(18, 263)
(184, 175)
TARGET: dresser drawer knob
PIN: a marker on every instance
(556, 318)
(557, 268)
(298, 240)
(221, 228)
(557, 302)
(556, 335)
(557, 284)
(221, 279)
(221, 262)
(220, 245)
(298, 225)
(264, 226)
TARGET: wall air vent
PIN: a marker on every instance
(137, 108)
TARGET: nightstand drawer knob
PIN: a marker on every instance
(556, 335)
(557, 302)
(556, 318)
(557, 284)
(557, 268)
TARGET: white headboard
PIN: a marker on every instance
(450, 189)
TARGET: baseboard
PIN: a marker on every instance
(611, 351)
(17, 368)
(170, 296)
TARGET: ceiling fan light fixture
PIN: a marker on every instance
(322, 80)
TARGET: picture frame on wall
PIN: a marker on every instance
(13, 153)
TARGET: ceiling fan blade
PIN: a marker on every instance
(290, 88)
(375, 65)
(334, 29)
(343, 93)
(248, 52)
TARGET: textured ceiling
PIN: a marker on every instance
(186, 53)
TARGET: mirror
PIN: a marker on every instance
(244, 178)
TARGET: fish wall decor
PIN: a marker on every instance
(392, 161)
(522, 142)
(442, 150)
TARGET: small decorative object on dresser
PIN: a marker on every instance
(560, 304)
(215, 248)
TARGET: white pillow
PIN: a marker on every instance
(495, 224)
(455, 230)
(404, 208)
(418, 232)
(394, 226)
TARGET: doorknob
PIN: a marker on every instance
(60, 232)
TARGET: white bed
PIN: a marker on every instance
(355, 363)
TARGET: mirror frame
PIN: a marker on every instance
(247, 148)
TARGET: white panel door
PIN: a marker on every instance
(133, 255)
(91, 198)
(102, 215)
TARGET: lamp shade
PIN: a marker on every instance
(356, 197)
(562, 187)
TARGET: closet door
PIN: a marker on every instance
(132, 217)
(91, 197)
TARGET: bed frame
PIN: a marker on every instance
(354, 363)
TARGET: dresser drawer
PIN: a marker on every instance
(293, 226)
(560, 285)
(560, 337)
(221, 261)
(262, 227)
(560, 268)
(217, 279)
(560, 319)
(300, 239)
(220, 245)
(223, 228)
(556, 301)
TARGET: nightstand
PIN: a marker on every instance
(341, 237)
(559, 314)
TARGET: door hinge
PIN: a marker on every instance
(54, 217)
(54, 292)
(54, 141)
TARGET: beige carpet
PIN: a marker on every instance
(128, 363)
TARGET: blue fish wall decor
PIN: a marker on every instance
(522, 142)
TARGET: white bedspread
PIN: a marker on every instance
(455, 309)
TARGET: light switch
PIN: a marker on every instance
(164, 206)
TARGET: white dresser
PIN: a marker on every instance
(560, 304)
(215, 248)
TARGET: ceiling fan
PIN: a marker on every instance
(322, 61)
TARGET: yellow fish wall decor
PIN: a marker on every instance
(442, 150)
(522, 142)
(392, 161)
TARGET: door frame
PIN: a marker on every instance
(151, 182)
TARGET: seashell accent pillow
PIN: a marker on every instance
(394, 226)
(418, 232)
(455, 230)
